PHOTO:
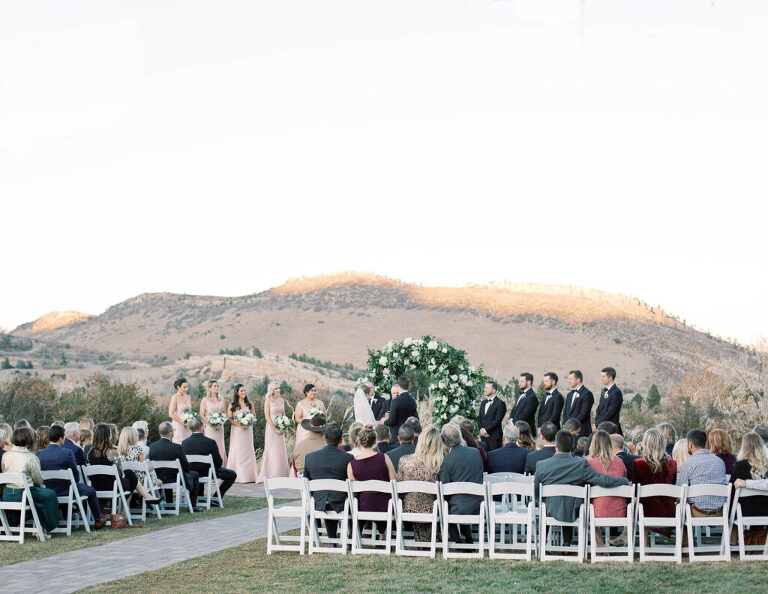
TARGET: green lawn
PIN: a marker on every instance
(34, 549)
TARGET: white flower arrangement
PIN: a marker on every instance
(244, 417)
(408, 341)
(432, 346)
(217, 420)
(382, 360)
(315, 410)
(282, 422)
(188, 415)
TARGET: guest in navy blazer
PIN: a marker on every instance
(71, 439)
(510, 457)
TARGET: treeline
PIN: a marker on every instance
(11, 343)
(6, 364)
(240, 351)
(346, 370)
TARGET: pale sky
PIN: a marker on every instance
(222, 148)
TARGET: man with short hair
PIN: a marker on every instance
(579, 402)
(702, 468)
(617, 441)
(460, 464)
(165, 450)
(526, 402)
(311, 443)
(405, 437)
(552, 405)
(416, 424)
(383, 437)
(573, 427)
(762, 431)
(611, 399)
(198, 444)
(401, 407)
(608, 426)
(21, 423)
(548, 432)
(489, 418)
(71, 439)
(510, 457)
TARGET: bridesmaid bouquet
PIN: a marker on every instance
(282, 422)
(217, 420)
(315, 411)
(244, 417)
(188, 415)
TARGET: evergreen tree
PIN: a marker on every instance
(637, 401)
(285, 388)
(654, 397)
(6, 364)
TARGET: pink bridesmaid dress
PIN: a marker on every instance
(215, 434)
(180, 431)
(242, 456)
(274, 462)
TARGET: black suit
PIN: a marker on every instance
(490, 419)
(400, 409)
(404, 449)
(379, 406)
(609, 407)
(198, 444)
(533, 458)
(551, 408)
(80, 457)
(580, 409)
(628, 460)
(385, 446)
(525, 409)
(164, 450)
(328, 462)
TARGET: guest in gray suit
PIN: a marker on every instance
(461, 464)
(405, 437)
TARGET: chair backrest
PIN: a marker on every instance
(506, 476)
(564, 491)
(57, 475)
(626, 491)
(287, 484)
(327, 485)
(523, 478)
(13, 478)
(402, 487)
(661, 490)
(514, 488)
(373, 485)
(462, 488)
(201, 459)
(100, 470)
(709, 489)
(744, 493)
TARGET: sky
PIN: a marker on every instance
(223, 148)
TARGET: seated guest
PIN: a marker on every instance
(548, 432)
(86, 441)
(510, 457)
(8, 432)
(423, 465)
(617, 442)
(129, 450)
(469, 439)
(655, 466)
(670, 436)
(86, 423)
(573, 426)
(22, 423)
(416, 424)
(352, 438)
(311, 443)
(4, 445)
(141, 437)
(582, 445)
(680, 452)
(41, 438)
(460, 464)
(405, 437)
(383, 438)
(602, 460)
(752, 465)
(197, 444)
(370, 466)
(525, 436)
(702, 468)
(142, 426)
(608, 426)
(19, 459)
(719, 443)
(762, 431)
(59, 423)
(165, 450)
(56, 457)
(71, 437)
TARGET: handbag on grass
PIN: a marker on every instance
(117, 521)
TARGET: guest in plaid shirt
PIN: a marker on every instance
(702, 468)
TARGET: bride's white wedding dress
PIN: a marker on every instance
(363, 411)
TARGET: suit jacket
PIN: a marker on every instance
(551, 408)
(404, 449)
(525, 409)
(544, 453)
(462, 464)
(379, 406)
(165, 450)
(385, 446)
(58, 458)
(564, 469)
(509, 458)
(328, 463)
(608, 409)
(628, 460)
(580, 408)
(198, 444)
(80, 457)
(400, 409)
(491, 420)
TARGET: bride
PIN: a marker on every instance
(363, 411)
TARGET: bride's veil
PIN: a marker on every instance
(363, 412)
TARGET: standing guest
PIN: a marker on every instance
(656, 466)
(379, 404)
(19, 459)
(304, 408)
(578, 403)
(469, 440)
(401, 408)
(328, 462)
(416, 424)
(362, 405)
(762, 431)
(548, 433)
(611, 399)
(352, 438)
(242, 456)
(617, 443)
(702, 468)
(383, 439)
(86, 441)
(129, 450)
(405, 437)
(423, 465)
(180, 403)
(371, 466)
(602, 460)
(460, 464)
(313, 442)
(525, 436)
(86, 423)
(526, 402)
(274, 460)
(165, 449)
(41, 438)
(680, 452)
(752, 466)
(670, 436)
(552, 406)
(582, 446)
(213, 403)
(510, 457)
(198, 444)
(71, 439)
(490, 417)
(720, 444)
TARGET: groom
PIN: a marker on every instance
(379, 404)
(402, 406)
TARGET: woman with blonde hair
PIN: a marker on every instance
(423, 465)
(670, 436)
(653, 468)
(129, 450)
(274, 461)
(720, 444)
(353, 436)
(602, 460)
(213, 403)
(680, 452)
(752, 464)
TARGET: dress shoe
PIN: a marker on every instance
(101, 523)
(155, 501)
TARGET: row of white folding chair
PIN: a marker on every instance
(73, 500)
(26, 504)
(741, 522)
(178, 488)
(142, 467)
(116, 495)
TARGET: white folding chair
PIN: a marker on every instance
(575, 492)
(72, 499)
(143, 467)
(742, 522)
(607, 552)
(386, 517)
(210, 481)
(654, 551)
(177, 487)
(463, 488)
(116, 495)
(705, 552)
(506, 476)
(319, 541)
(517, 509)
(26, 504)
(286, 511)
(413, 547)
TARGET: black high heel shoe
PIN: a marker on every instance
(155, 501)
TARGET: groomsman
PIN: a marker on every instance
(578, 403)
(552, 406)
(526, 403)
(611, 399)
(489, 418)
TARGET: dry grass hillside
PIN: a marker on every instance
(509, 328)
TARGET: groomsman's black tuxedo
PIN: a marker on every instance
(379, 406)
(400, 409)
(490, 417)
(551, 408)
(525, 408)
(578, 405)
(609, 407)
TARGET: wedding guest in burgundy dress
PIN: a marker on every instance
(369, 466)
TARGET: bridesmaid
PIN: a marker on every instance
(242, 457)
(274, 462)
(180, 402)
(211, 404)
(303, 408)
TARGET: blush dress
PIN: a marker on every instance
(274, 462)
(609, 507)
(180, 431)
(242, 456)
(215, 434)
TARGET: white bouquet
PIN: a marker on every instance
(315, 410)
(282, 422)
(188, 415)
(217, 420)
(244, 417)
